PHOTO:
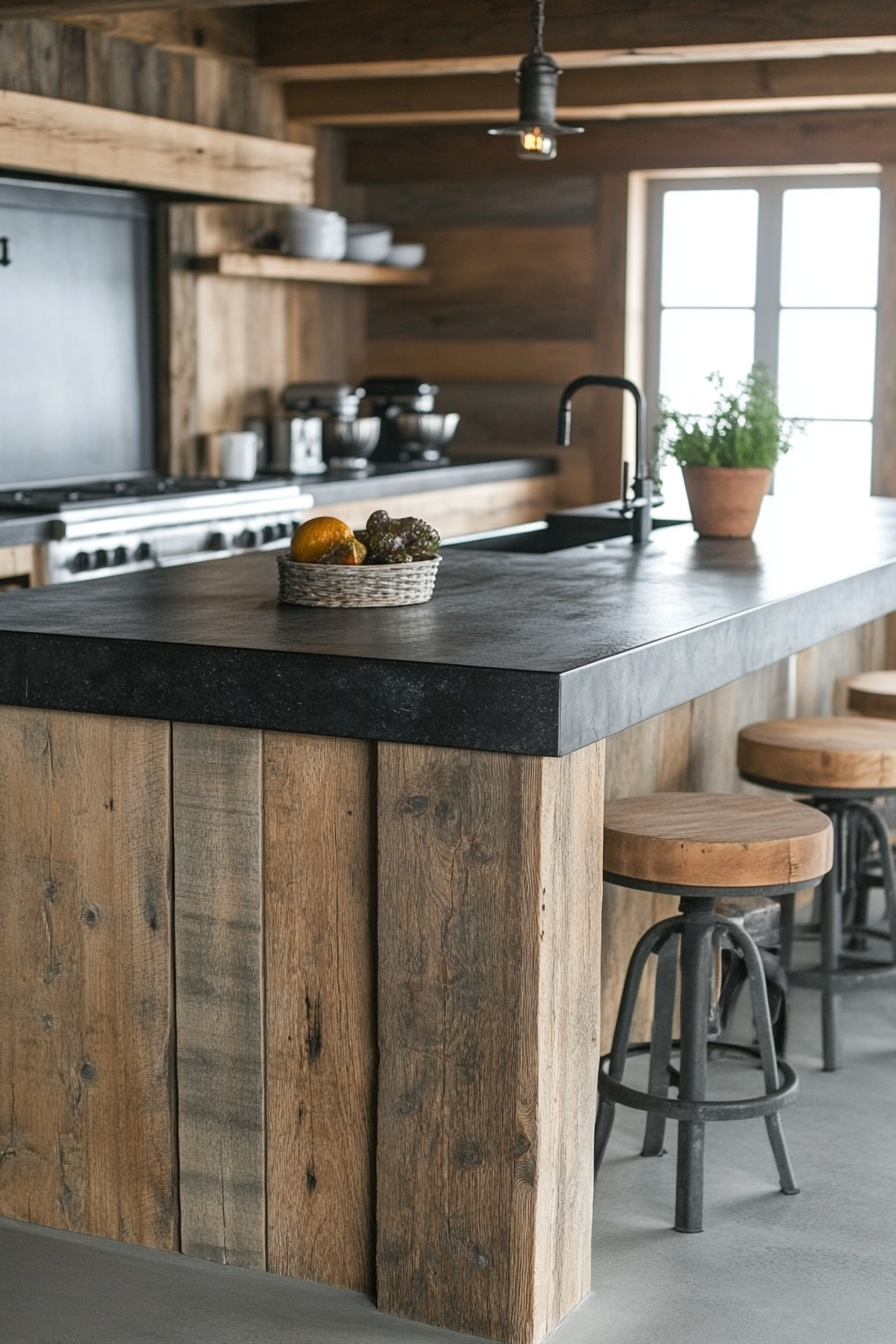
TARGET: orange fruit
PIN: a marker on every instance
(316, 536)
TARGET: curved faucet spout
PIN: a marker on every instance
(638, 507)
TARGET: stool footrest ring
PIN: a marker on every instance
(844, 977)
(699, 1112)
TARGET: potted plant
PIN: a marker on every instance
(727, 457)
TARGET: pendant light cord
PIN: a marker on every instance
(538, 25)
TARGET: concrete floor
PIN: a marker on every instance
(818, 1268)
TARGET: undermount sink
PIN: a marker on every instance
(559, 532)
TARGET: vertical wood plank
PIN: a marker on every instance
(489, 946)
(86, 1115)
(217, 792)
(321, 1015)
(883, 450)
(610, 239)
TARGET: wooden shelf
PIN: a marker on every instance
(276, 266)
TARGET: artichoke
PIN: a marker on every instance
(398, 541)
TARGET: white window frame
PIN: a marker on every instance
(770, 187)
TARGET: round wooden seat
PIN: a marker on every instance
(872, 694)
(716, 840)
(837, 754)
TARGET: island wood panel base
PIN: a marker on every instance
(217, 791)
(489, 898)
(320, 849)
(86, 1115)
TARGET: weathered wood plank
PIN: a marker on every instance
(50, 135)
(489, 915)
(86, 1112)
(321, 1015)
(217, 793)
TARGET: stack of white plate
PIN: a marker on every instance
(320, 234)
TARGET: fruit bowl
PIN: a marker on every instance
(314, 585)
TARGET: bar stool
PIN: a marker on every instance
(842, 764)
(701, 847)
(872, 694)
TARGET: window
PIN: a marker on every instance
(781, 270)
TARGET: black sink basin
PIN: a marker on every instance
(559, 532)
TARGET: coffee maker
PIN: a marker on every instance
(345, 440)
(411, 431)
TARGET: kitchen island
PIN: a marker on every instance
(301, 965)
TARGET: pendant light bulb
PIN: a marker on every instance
(538, 74)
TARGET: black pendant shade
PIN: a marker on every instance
(537, 129)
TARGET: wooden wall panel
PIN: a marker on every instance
(72, 62)
(217, 791)
(462, 509)
(488, 954)
(87, 1139)
(321, 1015)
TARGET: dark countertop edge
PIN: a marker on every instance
(423, 480)
(742, 643)
(311, 694)
(25, 529)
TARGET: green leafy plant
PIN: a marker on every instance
(744, 428)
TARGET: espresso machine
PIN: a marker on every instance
(322, 421)
(411, 431)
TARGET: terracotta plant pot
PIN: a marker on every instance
(725, 501)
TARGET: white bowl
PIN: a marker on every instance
(406, 255)
(320, 234)
(368, 242)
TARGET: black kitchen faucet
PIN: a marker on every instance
(636, 508)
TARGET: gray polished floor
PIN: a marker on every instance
(814, 1269)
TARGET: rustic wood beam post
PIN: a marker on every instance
(489, 953)
(610, 234)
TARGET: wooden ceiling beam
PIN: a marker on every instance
(61, 9)
(609, 94)
(380, 155)
(427, 37)
(194, 32)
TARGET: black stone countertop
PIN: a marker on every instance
(24, 529)
(538, 654)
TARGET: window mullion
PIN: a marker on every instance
(768, 275)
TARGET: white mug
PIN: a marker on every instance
(232, 454)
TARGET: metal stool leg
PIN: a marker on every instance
(788, 922)
(696, 969)
(606, 1110)
(887, 865)
(764, 1035)
(831, 946)
(661, 1043)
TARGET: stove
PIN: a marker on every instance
(150, 522)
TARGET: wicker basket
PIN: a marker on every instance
(356, 585)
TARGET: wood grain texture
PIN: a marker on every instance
(379, 155)
(554, 361)
(217, 806)
(50, 135)
(459, 509)
(22, 562)
(494, 283)
(379, 37)
(321, 1016)
(275, 266)
(650, 89)
(87, 1132)
(715, 839)
(872, 694)
(830, 753)
(489, 914)
(608, 355)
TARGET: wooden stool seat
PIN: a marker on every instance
(872, 694)
(716, 840)
(841, 754)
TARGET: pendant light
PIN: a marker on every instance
(537, 129)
